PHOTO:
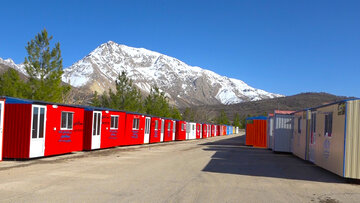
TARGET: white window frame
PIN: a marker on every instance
(117, 126)
(67, 127)
(137, 124)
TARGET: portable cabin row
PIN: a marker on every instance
(329, 136)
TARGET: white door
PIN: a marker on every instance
(174, 130)
(1, 126)
(37, 135)
(162, 130)
(312, 143)
(147, 130)
(96, 130)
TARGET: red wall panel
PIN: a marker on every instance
(134, 136)
(168, 133)
(155, 133)
(204, 130)
(17, 139)
(213, 130)
(260, 137)
(249, 134)
(59, 141)
(112, 137)
(180, 134)
(198, 134)
(88, 117)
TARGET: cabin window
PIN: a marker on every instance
(156, 125)
(182, 127)
(169, 126)
(114, 122)
(328, 124)
(193, 127)
(136, 122)
(299, 125)
(67, 120)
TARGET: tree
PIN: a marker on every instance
(188, 115)
(95, 100)
(175, 113)
(11, 84)
(45, 69)
(222, 118)
(126, 96)
(236, 121)
(156, 103)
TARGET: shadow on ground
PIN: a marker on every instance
(233, 157)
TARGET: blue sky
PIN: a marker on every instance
(285, 47)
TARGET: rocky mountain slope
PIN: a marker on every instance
(185, 85)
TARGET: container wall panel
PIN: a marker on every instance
(249, 136)
(112, 137)
(88, 117)
(17, 128)
(283, 130)
(299, 134)
(329, 150)
(180, 132)
(134, 136)
(352, 152)
(155, 133)
(259, 139)
(59, 141)
(168, 131)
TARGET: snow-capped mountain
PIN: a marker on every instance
(10, 63)
(184, 84)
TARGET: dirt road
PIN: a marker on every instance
(218, 169)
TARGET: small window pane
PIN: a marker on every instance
(112, 122)
(70, 121)
(156, 125)
(169, 126)
(99, 124)
(182, 126)
(63, 119)
(116, 122)
(35, 122)
(94, 123)
(42, 119)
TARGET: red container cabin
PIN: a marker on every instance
(155, 130)
(218, 130)
(198, 130)
(213, 130)
(103, 128)
(256, 131)
(36, 129)
(204, 130)
(180, 130)
(136, 132)
(2, 112)
(168, 132)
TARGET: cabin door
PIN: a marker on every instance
(147, 130)
(96, 130)
(37, 137)
(312, 143)
(162, 130)
(1, 126)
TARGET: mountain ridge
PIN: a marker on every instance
(98, 70)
